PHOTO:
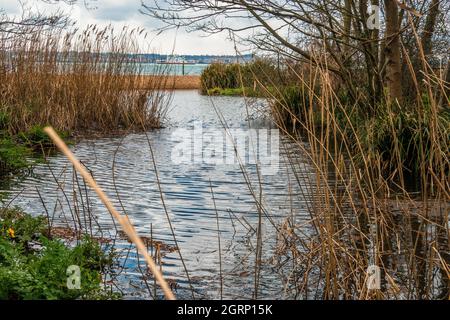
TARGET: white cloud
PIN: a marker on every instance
(120, 13)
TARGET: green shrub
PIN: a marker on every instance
(411, 138)
(26, 228)
(42, 274)
(248, 92)
(21, 151)
(13, 157)
(36, 138)
(238, 76)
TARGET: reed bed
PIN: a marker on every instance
(380, 196)
(78, 81)
(186, 82)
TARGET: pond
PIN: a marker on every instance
(200, 197)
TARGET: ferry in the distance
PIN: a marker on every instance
(176, 60)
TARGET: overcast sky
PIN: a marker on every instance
(125, 12)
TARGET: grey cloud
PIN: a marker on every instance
(114, 11)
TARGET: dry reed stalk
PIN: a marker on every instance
(188, 82)
(78, 81)
(356, 211)
(218, 240)
(169, 220)
(123, 220)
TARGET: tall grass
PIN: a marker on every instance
(380, 192)
(381, 197)
(78, 81)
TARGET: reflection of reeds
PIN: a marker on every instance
(77, 81)
(218, 240)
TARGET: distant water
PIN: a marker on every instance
(146, 68)
(173, 69)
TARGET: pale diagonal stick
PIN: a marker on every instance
(124, 222)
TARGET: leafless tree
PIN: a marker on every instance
(29, 22)
(338, 33)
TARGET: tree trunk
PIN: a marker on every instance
(426, 40)
(347, 22)
(444, 95)
(430, 24)
(392, 51)
(375, 39)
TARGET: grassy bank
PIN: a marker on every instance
(191, 82)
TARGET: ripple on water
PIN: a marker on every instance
(187, 195)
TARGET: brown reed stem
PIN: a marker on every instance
(123, 221)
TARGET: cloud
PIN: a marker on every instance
(114, 10)
(120, 13)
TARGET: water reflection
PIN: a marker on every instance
(124, 168)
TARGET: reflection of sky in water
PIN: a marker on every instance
(187, 194)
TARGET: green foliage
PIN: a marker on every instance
(19, 152)
(231, 92)
(413, 138)
(294, 98)
(26, 228)
(13, 157)
(237, 76)
(289, 103)
(42, 274)
(4, 120)
(402, 142)
(36, 138)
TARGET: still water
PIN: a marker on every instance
(124, 168)
(172, 69)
